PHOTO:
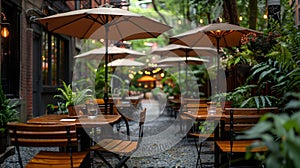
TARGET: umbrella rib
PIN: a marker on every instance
(67, 23)
(137, 25)
(199, 39)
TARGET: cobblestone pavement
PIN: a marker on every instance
(154, 153)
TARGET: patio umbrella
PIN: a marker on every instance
(146, 79)
(184, 51)
(190, 60)
(113, 53)
(125, 62)
(178, 60)
(220, 34)
(104, 23)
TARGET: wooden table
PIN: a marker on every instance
(78, 121)
(81, 123)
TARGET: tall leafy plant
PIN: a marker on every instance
(280, 134)
(8, 112)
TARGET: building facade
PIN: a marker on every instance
(33, 60)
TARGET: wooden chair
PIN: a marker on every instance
(122, 149)
(237, 121)
(101, 105)
(32, 135)
(195, 133)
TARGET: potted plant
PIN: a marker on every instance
(8, 113)
(73, 99)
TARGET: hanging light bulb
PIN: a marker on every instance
(4, 32)
(4, 24)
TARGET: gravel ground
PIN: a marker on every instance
(158, 153)
(181, 155)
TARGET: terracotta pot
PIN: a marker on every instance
(72, 111)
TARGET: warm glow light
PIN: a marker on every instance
(4, 32)
(179, 22)
(130, 76)
(241, 18)
(265, 16)
(201, 21)
(162, 75)
(220, 19)
(101, 40)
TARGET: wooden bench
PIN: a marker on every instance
(33, 135)
(238, 120)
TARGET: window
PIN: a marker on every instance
(53, 59)
(298, 15)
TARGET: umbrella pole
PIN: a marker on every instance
(218, 62)
(106, 69)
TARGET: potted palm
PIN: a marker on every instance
(8, 113)
(73, 99)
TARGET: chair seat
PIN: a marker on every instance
(46, 159)
(116, 146)
(239, 146)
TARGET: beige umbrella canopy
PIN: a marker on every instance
(184, 51)
(220, 34)
(125, 62)
(174, 60)
(113, 52)
(104, 23)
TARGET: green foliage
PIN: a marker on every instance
(281, 134)
(242, 97)
(73, 98)
(123, 91)
(280, 73)
(8, 112)
(245, 56)
(100, 83)
(171, 86)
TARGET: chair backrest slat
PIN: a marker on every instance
(33, 135)
(41, 135)
(241, 119)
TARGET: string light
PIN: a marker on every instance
(201, 21)
(241, 18)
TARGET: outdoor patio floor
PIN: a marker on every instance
(182, 154)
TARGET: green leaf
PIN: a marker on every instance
(259, 69)
(265, 74)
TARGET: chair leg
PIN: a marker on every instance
(122, 162)
(198, 148)
(119, 158)
(104, 160)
